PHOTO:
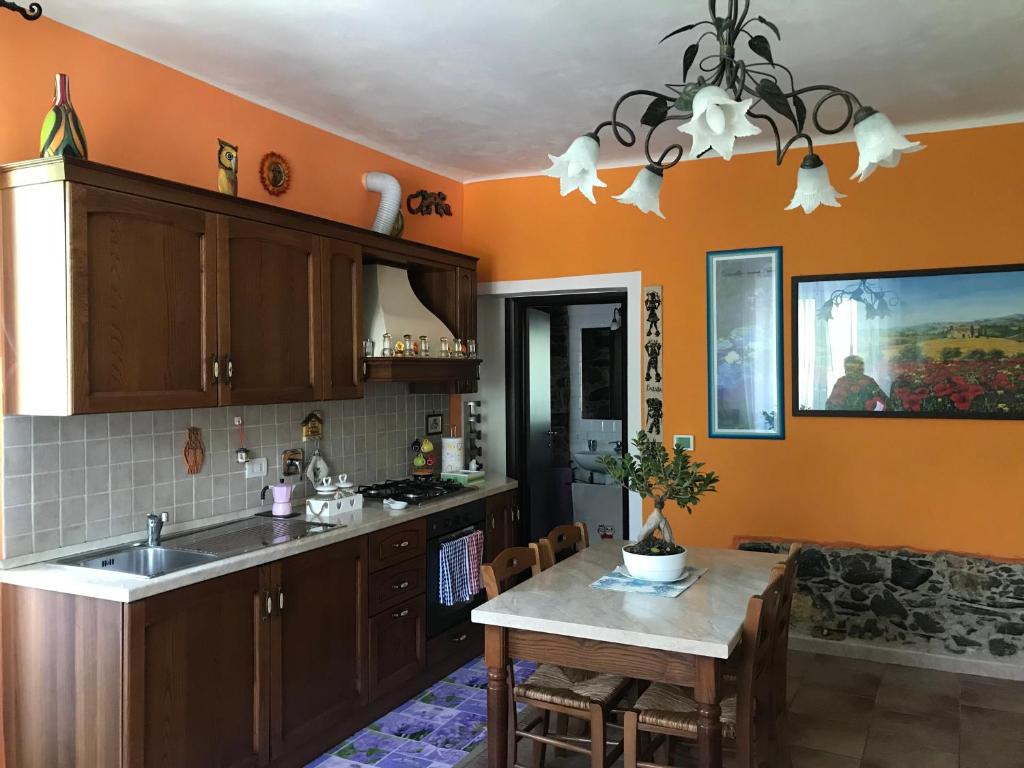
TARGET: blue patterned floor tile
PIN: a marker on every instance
(436, 755)
(332, 761)
(368, 747)
(424, 711)
(402, 724)
(446, 695)
(463, 731)
(400, 760)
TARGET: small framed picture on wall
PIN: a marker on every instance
(745, 374)
(434, 424)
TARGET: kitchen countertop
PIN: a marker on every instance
(705, 620)
(126, 588)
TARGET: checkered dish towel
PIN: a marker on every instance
(460, 560)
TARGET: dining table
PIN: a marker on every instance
(558, 617)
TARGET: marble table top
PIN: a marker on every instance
(705, 620)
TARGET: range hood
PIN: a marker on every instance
(391, 306)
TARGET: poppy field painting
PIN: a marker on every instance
(930, 343)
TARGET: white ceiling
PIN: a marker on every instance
(482, 88)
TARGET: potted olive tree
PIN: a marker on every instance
(651, 473)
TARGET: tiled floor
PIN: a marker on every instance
(438, 728)
(846, 713)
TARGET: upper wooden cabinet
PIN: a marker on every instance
(124, 292)
(342, 318)
(143, 298)
(269, 313)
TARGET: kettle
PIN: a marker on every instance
(282, 494)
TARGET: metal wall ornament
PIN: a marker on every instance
(33, 12)
(275, 174)
(654, 356)
(427, 203)
(715, 108)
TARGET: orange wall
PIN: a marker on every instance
(930, 483)
(146, 117)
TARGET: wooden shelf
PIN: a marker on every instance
(420, 370)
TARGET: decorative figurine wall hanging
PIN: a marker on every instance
(275, 174)
(654, 356)
(194, 453)
(428, 203)
(34, 11)
(62, 134)
(227, 168)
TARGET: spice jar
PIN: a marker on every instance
(424, 346)
(387, 349)
(445, 349)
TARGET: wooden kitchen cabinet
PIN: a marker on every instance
(160, 296)
(342, 313)
(500, 524)
(318, 641)
(269, 325)
(398, 646)
(196, 684)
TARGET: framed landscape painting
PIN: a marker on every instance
(943, 343)
(745, 390)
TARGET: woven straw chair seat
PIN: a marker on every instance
(568, 687)
(670, 706)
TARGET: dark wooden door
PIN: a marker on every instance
(499, 531)
(269, 319)
(195, 676)
(398, 646)
(144, 303)
(342, 288)
(318, 642)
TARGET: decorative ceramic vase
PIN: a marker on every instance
(62, 134)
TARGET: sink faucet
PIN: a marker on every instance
(616, 444)
(154, 525)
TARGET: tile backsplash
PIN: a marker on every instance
(75, 479)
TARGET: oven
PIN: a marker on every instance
(442, 527)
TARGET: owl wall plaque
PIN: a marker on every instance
(227, 168)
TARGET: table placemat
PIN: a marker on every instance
(619, 580)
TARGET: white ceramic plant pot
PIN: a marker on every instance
(655, 567)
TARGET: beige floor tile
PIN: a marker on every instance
(860, 678)
(916, 701)
(812, 699)
(816, 731)
(911, 741)
(992, 694)
(935, 681)
(981, 751)
(991, 725)
(800, 757)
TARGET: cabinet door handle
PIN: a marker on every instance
(268, 603)
(402, 544)
(459, 638)
(280, 600)
(400, 614)
(230, 366)
(216, 368)
(492, 522)
(401, 585)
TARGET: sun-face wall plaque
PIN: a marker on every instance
(275, 174)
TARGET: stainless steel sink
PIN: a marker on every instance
(141, 560)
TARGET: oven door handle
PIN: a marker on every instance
(458, 534)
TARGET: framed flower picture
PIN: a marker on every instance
(940, 343)
(745, 389)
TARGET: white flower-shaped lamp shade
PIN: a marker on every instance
(813, 187)
(879, 142)
(718, 120)
(645, 191)
(576, 168)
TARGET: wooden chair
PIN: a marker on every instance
(560, 539)
(787, 572)
(669, 711)
(562, 690)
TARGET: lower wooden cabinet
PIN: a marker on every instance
(398, 646)
(500, 524)
(317, 642)
(194, 692)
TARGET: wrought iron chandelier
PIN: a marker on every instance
(715, 109)
(33, 12)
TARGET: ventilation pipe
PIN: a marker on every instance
(390, 199)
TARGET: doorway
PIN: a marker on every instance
(566, 384)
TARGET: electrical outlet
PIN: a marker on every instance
(683, 441)
(256, 468)
(238, 421)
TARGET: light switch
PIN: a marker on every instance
(256, 468)
(683, 441)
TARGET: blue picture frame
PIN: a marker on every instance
(746, 390)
